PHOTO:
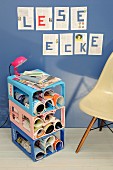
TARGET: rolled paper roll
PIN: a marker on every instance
(42, 94)
(49, 118)
(48, 102)
(14, 110)
(48, 92)
(24, 143)
(27, 105)
(58, 144)
(26, 100)
(15, 115)
(38, 123)
(40, 98)
(26, 124)
(38, 107)
(20, 97)
(49, 148)
(57, 124)
(27, 146)
(39, 132)
(58, 100)
(39, 153)
(37, 94)
(45, 147)
(49, 128)
(49, 140)
(48, 95)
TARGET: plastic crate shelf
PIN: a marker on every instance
(15, 86)
(40, 148)
(32, 125)
(37, 114)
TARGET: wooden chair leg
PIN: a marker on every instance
(86, 134)
(101, 125)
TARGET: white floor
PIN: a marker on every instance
(96, 154)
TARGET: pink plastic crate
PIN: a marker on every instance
(37, 126)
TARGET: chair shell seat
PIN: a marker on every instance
(98, 103)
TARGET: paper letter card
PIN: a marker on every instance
(80, 43)
(78, 18)
(50, 44)
(66, 44)
(25, 18)
(44, 18)
(95, 44)
(61, 18)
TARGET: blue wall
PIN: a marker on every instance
(79, 71)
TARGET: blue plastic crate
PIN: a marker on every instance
(29, 147)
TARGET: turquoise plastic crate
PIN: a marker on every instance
(15, 86)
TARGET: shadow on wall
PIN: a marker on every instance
(84, 67)
(74, 95)
(12, 47)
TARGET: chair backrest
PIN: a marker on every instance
(105, 81)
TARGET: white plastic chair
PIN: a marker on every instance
(99, 102)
